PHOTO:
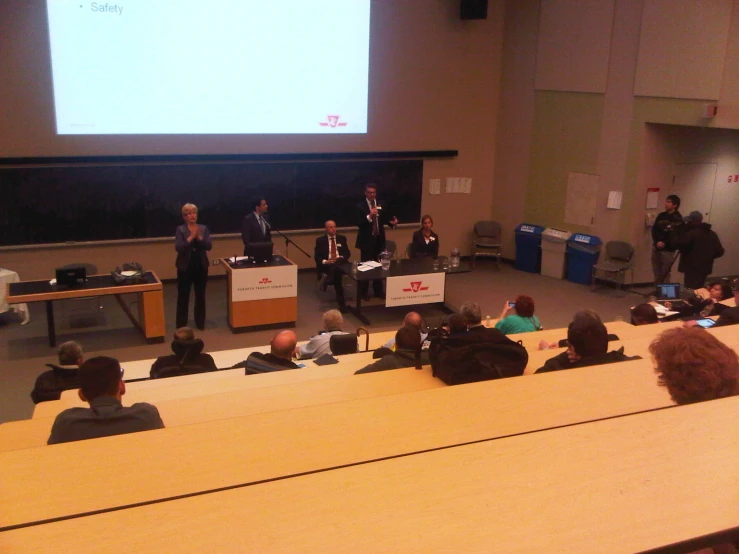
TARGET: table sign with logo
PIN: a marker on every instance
(405, 290)
(262, 294)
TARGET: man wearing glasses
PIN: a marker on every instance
(102, 386)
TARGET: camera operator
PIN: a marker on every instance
(698, 246)
(663, 253)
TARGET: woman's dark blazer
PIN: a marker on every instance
(197, 247)
(421, 249)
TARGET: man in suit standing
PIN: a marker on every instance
(254, 226)
(371, 235)
(330, 250)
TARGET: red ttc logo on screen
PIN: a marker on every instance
(416, 287)
(333, 121)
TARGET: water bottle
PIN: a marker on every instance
(455, 257)
(487, 321)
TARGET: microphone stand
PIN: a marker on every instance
(288, 240)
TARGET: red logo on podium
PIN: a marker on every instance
(265, 281)
(416, 287)
(333, 121)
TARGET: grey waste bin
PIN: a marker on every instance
(553, 249)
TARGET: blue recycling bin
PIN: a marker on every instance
(528, 247)
(582, 254)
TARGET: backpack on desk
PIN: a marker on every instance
(472, 357)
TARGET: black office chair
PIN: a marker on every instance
(343, 344)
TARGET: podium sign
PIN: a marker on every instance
(405, 290)
(264, 283)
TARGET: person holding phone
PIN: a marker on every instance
(729, 316)
(518, 317)
(192, 241)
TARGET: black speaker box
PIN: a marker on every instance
(473, 9)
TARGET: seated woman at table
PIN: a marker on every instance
(191, 242)
(425, 241)
(518, 318)
(709, 305)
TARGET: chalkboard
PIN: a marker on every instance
(108, 201)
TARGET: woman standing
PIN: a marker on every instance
(191, 242)
(425, 241)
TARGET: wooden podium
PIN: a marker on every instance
(261, 293)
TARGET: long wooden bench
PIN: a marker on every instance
(248, 449)
(184, 410)
(628, 484)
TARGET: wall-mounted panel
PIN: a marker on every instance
(574, 45)
(682, 48)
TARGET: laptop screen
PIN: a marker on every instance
(669, 290)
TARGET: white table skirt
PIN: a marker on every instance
(7, 276)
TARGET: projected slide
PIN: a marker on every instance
(213, 66)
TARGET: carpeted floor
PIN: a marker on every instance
(102, 327)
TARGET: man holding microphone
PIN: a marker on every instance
(371, 235)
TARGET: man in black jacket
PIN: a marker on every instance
(588, 345)
(663, 252)
(407, 353)
(282, 350)
(65, 376)
(188, 357)
(699, 246)
(371, 235)
(330, 250)
(729, 316)
(254, 226)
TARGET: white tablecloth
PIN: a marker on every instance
(7, 276)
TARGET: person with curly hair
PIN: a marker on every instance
(694, 365)
(518, 318)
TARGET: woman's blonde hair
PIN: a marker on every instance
(189, 208)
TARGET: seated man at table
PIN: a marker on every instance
(188, 357)
(330, 250)
(282, 348)
(472, 315)
(102, 386)
(318, 345)
(695, 366)
(587, 341)
(407, 353)
(65, 376)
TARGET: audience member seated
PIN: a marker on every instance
(65, 376)
(729, 316)
(456, 324)
(644, 314)
(102, 386)
(188, 357)
(562, 343)
(412, 319)
(318, 345)
(407, 353)
(518, 318)
(472, 315)
(695, 366)
(282, 349)
(587, 345)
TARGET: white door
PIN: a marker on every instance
(694, 184)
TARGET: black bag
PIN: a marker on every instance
(129, 274)
(478, 356)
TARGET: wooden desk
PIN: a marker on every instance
(151, 301)
(177, 409)
(627, 484)
(205, 456)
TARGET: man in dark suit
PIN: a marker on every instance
(371, 236)
(254, 226)
(330, 250)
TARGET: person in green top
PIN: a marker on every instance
(518, 317)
